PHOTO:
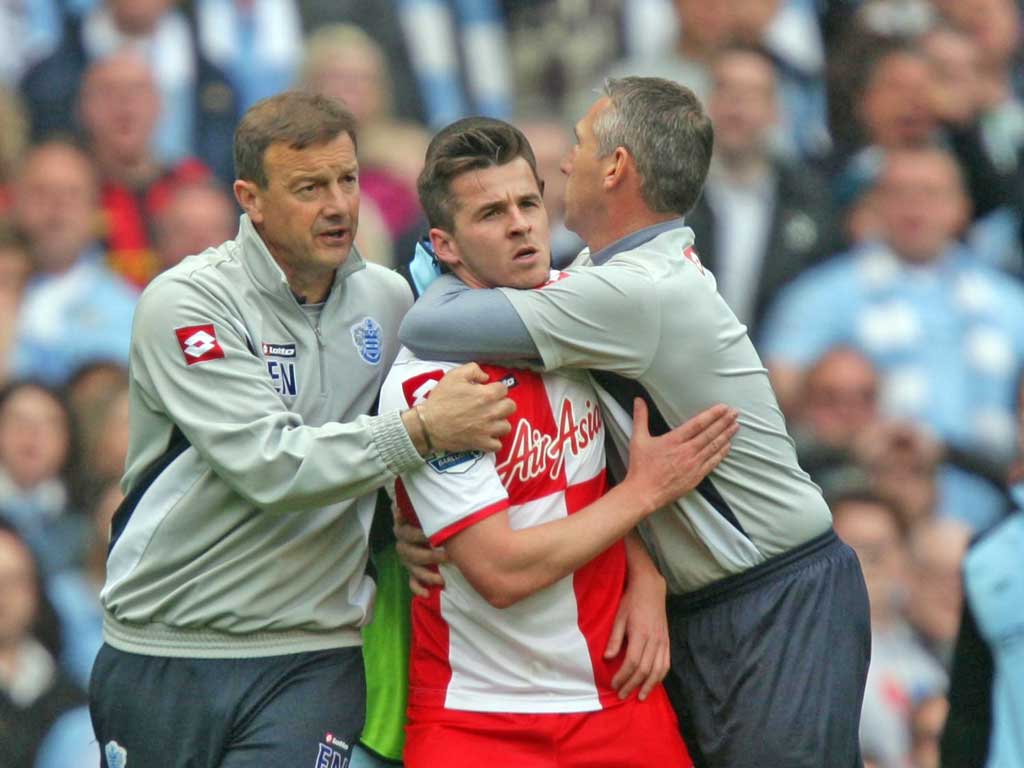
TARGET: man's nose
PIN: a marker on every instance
(518, 221)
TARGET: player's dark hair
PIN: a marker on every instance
(466, 145)
(295, 118)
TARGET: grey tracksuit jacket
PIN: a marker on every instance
(253, 463)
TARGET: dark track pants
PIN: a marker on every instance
(769, 666)
(304, 710)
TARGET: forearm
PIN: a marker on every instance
(455, 323)
(638, 560)
(506, 566)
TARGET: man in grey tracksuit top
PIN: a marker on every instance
(236, 576)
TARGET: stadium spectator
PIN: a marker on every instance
(258, 45)
(646, 314)
(89, 388)
(33, 691)
(15, 266)
(986, 698)
(935, 551)
(240, 553)
(194, 217)
(104, 440)
(761, 220)
(37, 451)
(119, 107)
(13, 140)
(75, 592)
(901, 672)
(551, 141)
(943, 331)
(984, 116)
(343, 62)
(926, 722)
(74, 309)
(704, 28)
(198, 104)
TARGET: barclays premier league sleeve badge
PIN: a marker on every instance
(366, 335)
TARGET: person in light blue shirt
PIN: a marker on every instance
(985, 727)
(74, 309)
(945, 332)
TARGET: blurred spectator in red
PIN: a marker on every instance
(37, 451)
(13, 139)
(15, 266)
(119, 108)
(945, 332)
(75, 309)
(761, 220)
(193, 218)
(902, 672)
(551, 141)
(199, 107)
(34, 693)
(935, 597)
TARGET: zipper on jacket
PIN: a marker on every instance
(321, 358)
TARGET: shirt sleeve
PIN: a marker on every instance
(192, 362)
(451, 491)
(607, 318)
(452, 321)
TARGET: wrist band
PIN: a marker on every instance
(426, 432)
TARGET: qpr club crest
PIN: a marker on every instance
(366, 335)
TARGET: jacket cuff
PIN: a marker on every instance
(394, 444)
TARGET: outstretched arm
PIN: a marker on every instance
(506, 565)
(452, 321)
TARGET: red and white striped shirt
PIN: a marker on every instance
(545, 653)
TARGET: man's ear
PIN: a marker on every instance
(616, 168)
(445, 248)
(250, 198)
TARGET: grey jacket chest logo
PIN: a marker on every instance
(280, 358)
(366, 335)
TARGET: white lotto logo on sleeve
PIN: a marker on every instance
(199, 343)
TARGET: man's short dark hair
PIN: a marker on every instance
(466, 145)
(295, 118)
(664, 127)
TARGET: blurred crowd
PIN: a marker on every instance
(862, 217)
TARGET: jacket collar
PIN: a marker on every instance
(635, 240)
(268, 274)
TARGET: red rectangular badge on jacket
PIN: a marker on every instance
(199, 343)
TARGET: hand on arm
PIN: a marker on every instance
(505, 566)
(463, 412)
(418, 557)
(642, 623)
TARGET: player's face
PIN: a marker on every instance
(309, 211)
(500, 237)
(583, 170)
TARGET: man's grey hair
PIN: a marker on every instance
(663, 126)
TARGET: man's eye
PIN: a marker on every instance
(307, 188)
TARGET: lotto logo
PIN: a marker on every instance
(418, 388)
(199, 343)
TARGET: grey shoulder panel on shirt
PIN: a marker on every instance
(454, 322)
